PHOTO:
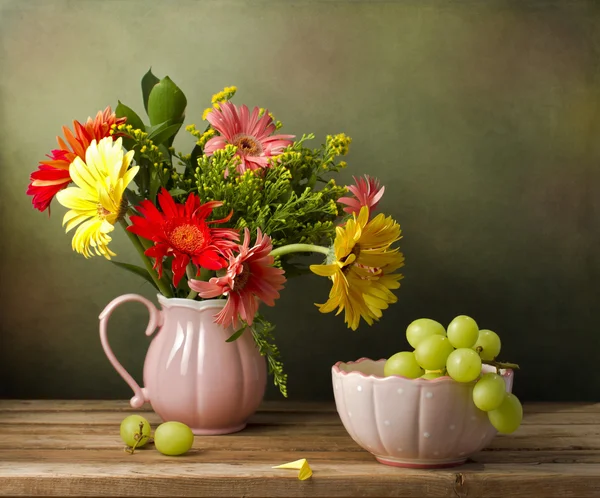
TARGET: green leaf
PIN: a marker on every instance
(133, 198)
(148, 82)
(196, 153)
(123, 111)
(177, 191)
(138, 270)
(155, 129)
(166, 102)
(162, 135)
(155, 183)
(236, 335)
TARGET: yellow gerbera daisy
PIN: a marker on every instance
(96, 203)
(363, 266)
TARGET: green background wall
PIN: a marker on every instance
(482, 118)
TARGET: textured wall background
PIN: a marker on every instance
(481, 118)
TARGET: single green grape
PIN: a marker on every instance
(130, 431)
(431, 375)
(403, 364)
(490, 344)
(421, 328)
(463, 332)
(432, 352)
(508, 416)
(173, 438)
(463, 365)
(489, 392)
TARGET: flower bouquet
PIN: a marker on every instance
(225, 224)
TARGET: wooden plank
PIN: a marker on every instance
(268, 406)
(251, 479)
(47, 429)
(108, 421)
(111, 417)
(546, 407)
(10, 405)
(17, 442)
(308, 418)
(200, 454)
(554, 431)
(569, 418)
(36, 405)
(495, 455)
(276, 442)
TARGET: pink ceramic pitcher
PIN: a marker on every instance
(191, 374)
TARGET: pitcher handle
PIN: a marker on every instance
(140, 394)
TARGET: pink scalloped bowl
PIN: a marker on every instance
(414, 423)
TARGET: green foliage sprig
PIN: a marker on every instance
(262, 332)
(283, 200)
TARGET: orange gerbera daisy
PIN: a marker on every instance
(53, 174)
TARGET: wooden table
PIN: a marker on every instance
(72, 448)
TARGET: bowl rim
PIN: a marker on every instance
(505, 373)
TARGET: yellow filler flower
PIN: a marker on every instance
(362, 268)
(97, 203)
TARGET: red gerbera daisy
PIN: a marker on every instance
(181, 231)
(53, 175)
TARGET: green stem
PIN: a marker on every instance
(189, 270)
(167, 276)
(162, 287)
(205, 276)
(291, 248)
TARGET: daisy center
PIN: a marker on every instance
(187, 238)
(247, 145)
(242, 279)
(102, 211)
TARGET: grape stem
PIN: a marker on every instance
(497, 364)
(500, 364)
(139, 437)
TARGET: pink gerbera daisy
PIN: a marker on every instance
(251, 134)
(250, 278)
(367, 192)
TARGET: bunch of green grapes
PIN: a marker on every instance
(459, 352)
(170, 438)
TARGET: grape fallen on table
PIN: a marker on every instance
(173, 438)
(135, 431)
